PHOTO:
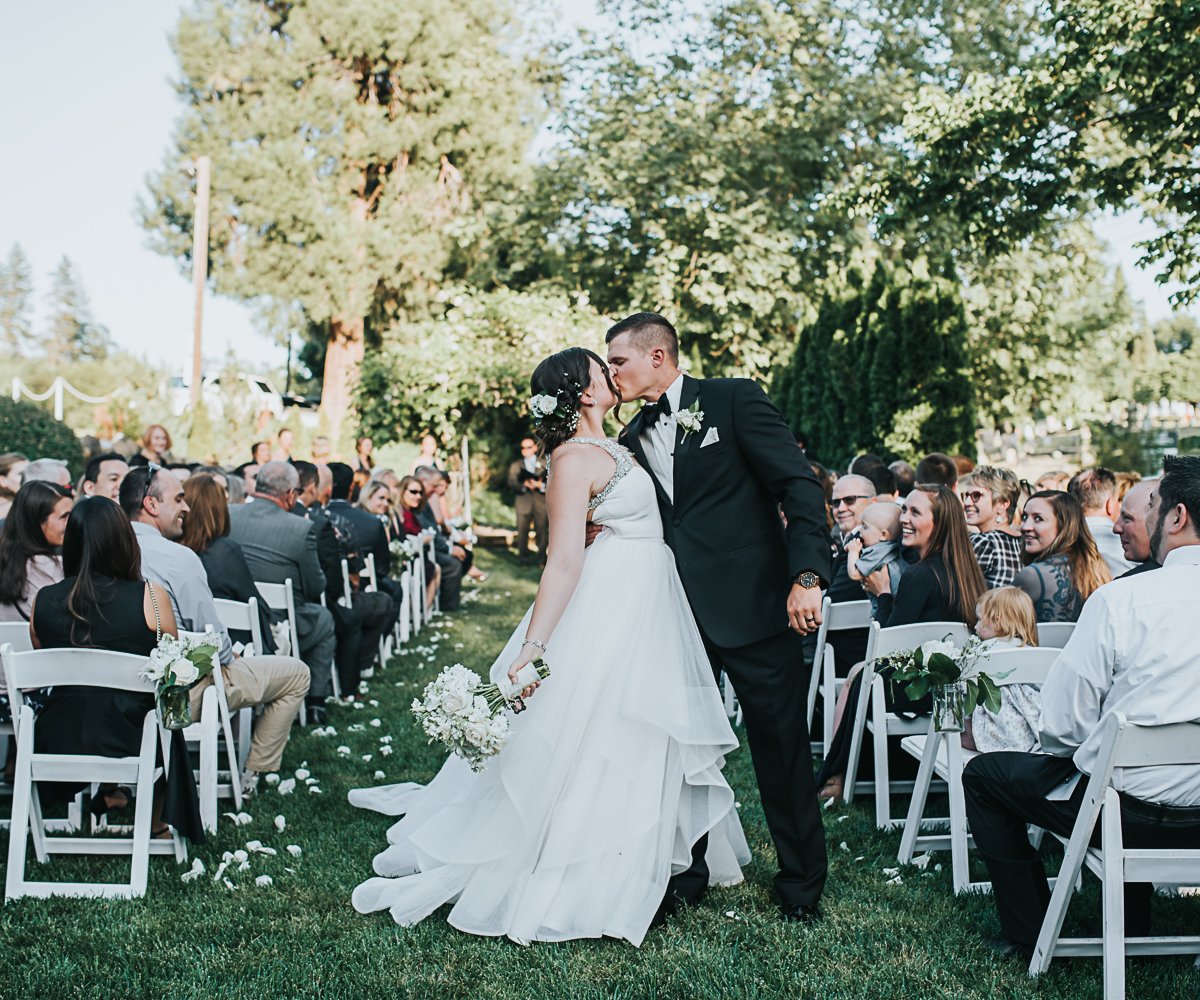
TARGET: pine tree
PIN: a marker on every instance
(16, 297)
(356, 149)
(72, 335)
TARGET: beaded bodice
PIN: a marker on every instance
(627, 503)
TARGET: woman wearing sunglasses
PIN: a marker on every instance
(989, 497)
(412, 498)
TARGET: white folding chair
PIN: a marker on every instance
(371, 576)
(943, 755)
(16, 635)
(871, 714)
(280, 597)
(88, 668)
(1123, 745)
(1055, 635)
(242, 616)
(404, 617)
(842, 617)
(418, 584)
(427, 543)
(205, 735)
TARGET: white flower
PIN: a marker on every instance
(690, 419)
(453, 701)
(263, 881)
(543, 405)
(943, 646)
(185, 671)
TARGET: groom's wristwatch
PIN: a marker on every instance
(808, 580)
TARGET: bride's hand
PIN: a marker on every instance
(527, 656)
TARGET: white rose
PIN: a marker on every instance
(453, 702)
(944, 646)
(185, 671)
(476, 732)
(543, 405)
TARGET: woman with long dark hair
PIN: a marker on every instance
(29, 545)
(944, 585)
(103, 603)
(1063, 566)
(12, 469)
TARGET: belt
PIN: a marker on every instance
(1157, 812)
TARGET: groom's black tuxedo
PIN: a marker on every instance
(737, 563)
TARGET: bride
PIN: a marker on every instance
(614, 772)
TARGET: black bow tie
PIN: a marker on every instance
(651, 412)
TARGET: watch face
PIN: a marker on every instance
(808, 580)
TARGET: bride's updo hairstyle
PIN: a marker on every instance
(562, 379)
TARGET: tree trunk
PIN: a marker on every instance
(343, 357)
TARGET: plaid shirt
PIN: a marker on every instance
(999, 555)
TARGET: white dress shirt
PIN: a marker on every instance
(179, 570)
(1134, 651)
(659, 441)
(1109, 545)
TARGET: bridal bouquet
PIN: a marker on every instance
(468, 716)
(952, 675)
(175, 665)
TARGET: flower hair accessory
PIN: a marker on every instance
(563, 404)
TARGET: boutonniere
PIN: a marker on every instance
(690, 420)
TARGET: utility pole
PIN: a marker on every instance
(199, 269)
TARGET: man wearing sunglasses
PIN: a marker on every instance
(851, 496)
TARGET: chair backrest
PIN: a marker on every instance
(369, 573)
(277, 595)
(898, 638)
(1025, 665)
(1055, 634)
(101, 668)
(847, 615)
(240, 615)
(16, 634)
(1142, 746)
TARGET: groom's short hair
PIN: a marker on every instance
(647, 331)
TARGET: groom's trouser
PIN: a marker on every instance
(771, 682)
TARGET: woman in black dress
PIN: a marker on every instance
(103, 603)
(944, 585)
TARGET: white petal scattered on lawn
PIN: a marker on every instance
(244, 866)
(287, 786)
(263, 881)
(844, 846)
(271, 779)
(373, 703)
(937, 868)
(302, 773)
(195, 873)
(358, 706)
(385, 739)
(220, 871)
(294, 850)
(379, 775)
(253, 845)
(343, 750)
(895, 881)
(921, 861)
(891, 872)
(312, 781)
(366, 758)
(861, 857)
(280, 824)
(228, 884)
(313, 790)
(385, 750)
(842, 819)
(240, 855)
(376, 723)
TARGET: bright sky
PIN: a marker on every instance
(87, 114)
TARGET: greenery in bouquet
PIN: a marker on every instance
(938, 663)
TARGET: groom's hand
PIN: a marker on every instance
(804, 609)
(593, 532)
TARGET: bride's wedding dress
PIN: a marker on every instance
(609, 778)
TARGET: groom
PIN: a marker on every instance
(723, 463)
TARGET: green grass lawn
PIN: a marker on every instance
(300, 938)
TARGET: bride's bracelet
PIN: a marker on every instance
(534, 642)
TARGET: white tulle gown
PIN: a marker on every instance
(609, 778)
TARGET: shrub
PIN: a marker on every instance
(33, 432)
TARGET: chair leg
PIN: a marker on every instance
(18, 830)
(144, 807)
(231, 757)
(857, 734)
(37, 825)
(916, 808)
(208, 771)
(1114, 903)
(828, 697)
(883, 802)
(959, 856)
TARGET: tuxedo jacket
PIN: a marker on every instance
(735, 558)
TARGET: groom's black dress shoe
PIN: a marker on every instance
(802, 913)
(672, 904)
(1003, 948)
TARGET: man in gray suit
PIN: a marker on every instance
(280, 547)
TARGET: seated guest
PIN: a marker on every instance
(1006, 621)
(884, 481)
(156, 445)
(1062, 565)
(12, 469)
(49, 470)
(278, 547)
(412, 499)
(851, 496)
(1132, 527)
(369, 526)
(103, 474)
(219, 476)
(1134, 652)
(103, 603)
(1096, 491)
(29, 544)
(861, 463)
(369, 616)
(943, 586)
(248, 474)
(1052, 481)
(906, 478)
(989, 497)
(938, 468)
(154, 500)
(450, 559)
(876, 546)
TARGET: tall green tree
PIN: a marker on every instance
(16, 301)
(1104, 110)
(72, 334)
(357, 146)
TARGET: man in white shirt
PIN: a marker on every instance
(1096, 491)
(1133, 651)
(152, 498)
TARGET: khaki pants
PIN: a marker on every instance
(279, 684)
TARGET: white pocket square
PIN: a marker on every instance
(712, 437)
